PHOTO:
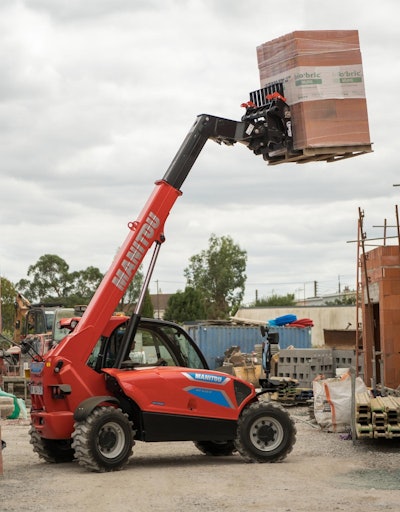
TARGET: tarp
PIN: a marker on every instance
(19, 406)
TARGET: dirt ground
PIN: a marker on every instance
(324, 472)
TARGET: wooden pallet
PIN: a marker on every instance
(327, 154)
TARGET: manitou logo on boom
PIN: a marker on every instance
(136, 252)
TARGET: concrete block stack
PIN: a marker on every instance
(346, 358)
(305, 365)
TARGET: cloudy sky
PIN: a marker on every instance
(96, 97)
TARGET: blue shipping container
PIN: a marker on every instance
(213, 340)
(298, 337)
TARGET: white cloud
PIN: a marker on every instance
(97, 96)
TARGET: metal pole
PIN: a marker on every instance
(373, 380)
(353, 404)
(147, 278)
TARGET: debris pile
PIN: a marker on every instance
(246, 366)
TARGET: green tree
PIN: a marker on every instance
(48, 277)
(348, 300)
(185, 306)
(86, 282)
(7, 297)
(218, 274)
(49, 280)
(275, 300)
(147, 310)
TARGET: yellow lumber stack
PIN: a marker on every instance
(377, 417)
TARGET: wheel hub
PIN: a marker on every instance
(266, 433)
(111, 440)
(107, 439)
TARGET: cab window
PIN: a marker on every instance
(35, 322)
(49, 319)
(188, 355)
(152, 344)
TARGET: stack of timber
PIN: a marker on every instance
(377, 417)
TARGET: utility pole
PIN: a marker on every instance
(158, 301)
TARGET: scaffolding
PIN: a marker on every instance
(367, 307)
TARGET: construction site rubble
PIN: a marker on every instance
(247, 366)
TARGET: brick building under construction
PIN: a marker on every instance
(379, 301)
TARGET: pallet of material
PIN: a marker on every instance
(327, 154)
(377, 417)
(320, 73)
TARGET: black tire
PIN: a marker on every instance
(104, 441)
(216, 448)
(51, 450)
(266, 433)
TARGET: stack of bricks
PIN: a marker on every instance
(321, 75)
(377, 417)
(381, 273)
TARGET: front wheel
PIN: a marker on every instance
(104, 441)
(266, 433)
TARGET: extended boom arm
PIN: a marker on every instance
(265, 130)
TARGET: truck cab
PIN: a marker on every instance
(156, 343)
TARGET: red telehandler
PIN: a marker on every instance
(113, 380)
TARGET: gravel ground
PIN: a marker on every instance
(324, 472)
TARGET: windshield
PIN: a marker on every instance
(49, 316)
(152, 343)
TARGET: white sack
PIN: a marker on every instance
(332, 402)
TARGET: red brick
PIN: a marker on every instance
(330, 121)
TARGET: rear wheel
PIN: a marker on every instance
(104, 441)
(51, 450)
(266, 433)
(216, 448)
